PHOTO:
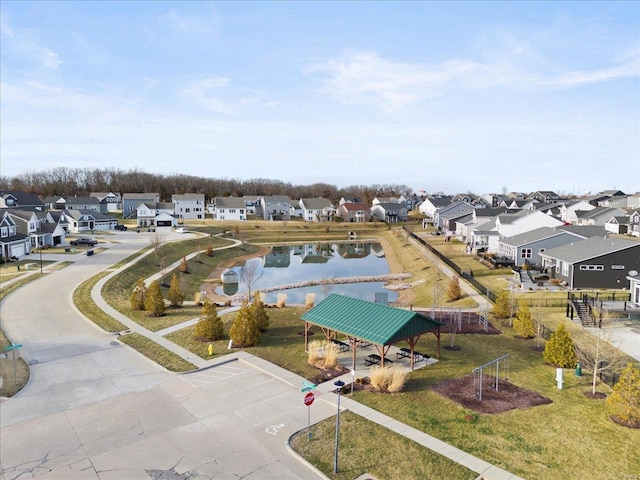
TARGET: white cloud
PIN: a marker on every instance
(367, 78)
(27, 43)
(206, 93)
(185, 23)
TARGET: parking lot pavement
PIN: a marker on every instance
(228, 421)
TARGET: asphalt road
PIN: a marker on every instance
(96, 409)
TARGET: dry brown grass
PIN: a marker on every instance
(309, 300)
(282, 300)
(388, 379)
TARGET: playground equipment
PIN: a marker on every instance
(478, 373)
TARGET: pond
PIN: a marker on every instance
(287, 265)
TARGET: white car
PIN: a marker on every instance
(181, 230)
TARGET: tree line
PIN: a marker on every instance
(82, 181)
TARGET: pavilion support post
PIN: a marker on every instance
(437, 333)
(354, 343)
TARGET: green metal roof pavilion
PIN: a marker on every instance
(378, 324)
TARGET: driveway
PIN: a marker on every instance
(95, 409)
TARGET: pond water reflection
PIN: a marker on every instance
(286, 265)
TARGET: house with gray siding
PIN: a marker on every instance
(188, 206)
(276, 207)
(131, 201)
(595, 262)
(527, 247)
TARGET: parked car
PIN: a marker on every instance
(122, 228)
(84, 241)
(181, 230)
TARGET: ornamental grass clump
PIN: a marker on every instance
(309, 300)
(388, 379)
(330, 355)
(314, 352)
(282, 300)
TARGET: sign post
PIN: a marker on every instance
(14, 352)
(308, 400)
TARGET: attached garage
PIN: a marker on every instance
(18, 250)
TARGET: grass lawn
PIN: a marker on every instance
(15, 375)
(158, 354)
(82, 299)
(399, 457)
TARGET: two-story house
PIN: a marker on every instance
(276, 207)
(160, 214)
(108, 201)
(189, 206)
(12, 243)
(352, 212)
(317, 209)
(230, 208)
(389, 212)
(131, 201)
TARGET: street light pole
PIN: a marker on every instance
(40, 245)
(339, 384)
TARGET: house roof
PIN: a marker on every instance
(355, 206)
(140, 196)
(590, 248)
(390, 206)
(533, 236)
(77, 213)
(439, 201)
(230, 202)
(373, 322)
(23, 199)
(276, 198)
(81, 201)
(315, 203)
(188, 196)
(586, 231)
(512, 217)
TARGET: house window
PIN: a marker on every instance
(5, 231)
(541, 250)
(565, 269)
(526, 253)
(592, 268)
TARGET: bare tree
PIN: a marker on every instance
(156, 240)
(538, 317)
(597, 353)
(326, 286)
(250, 274)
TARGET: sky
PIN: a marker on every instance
(439, 96)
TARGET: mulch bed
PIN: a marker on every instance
(508, 397)
(632, 424)
(596, 396)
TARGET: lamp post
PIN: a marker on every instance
(40, 245)
(339, 384)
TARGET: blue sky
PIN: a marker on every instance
(440, 96)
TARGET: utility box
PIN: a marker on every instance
(559, 378)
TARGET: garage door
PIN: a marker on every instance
(18, 250)
(163, 223)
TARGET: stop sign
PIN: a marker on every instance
(309, 398)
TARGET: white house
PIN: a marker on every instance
(317, 209)
(79, 221)
(508, 225)
(230, 208)
(150, 214)
(188, 206)
(569, 209)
